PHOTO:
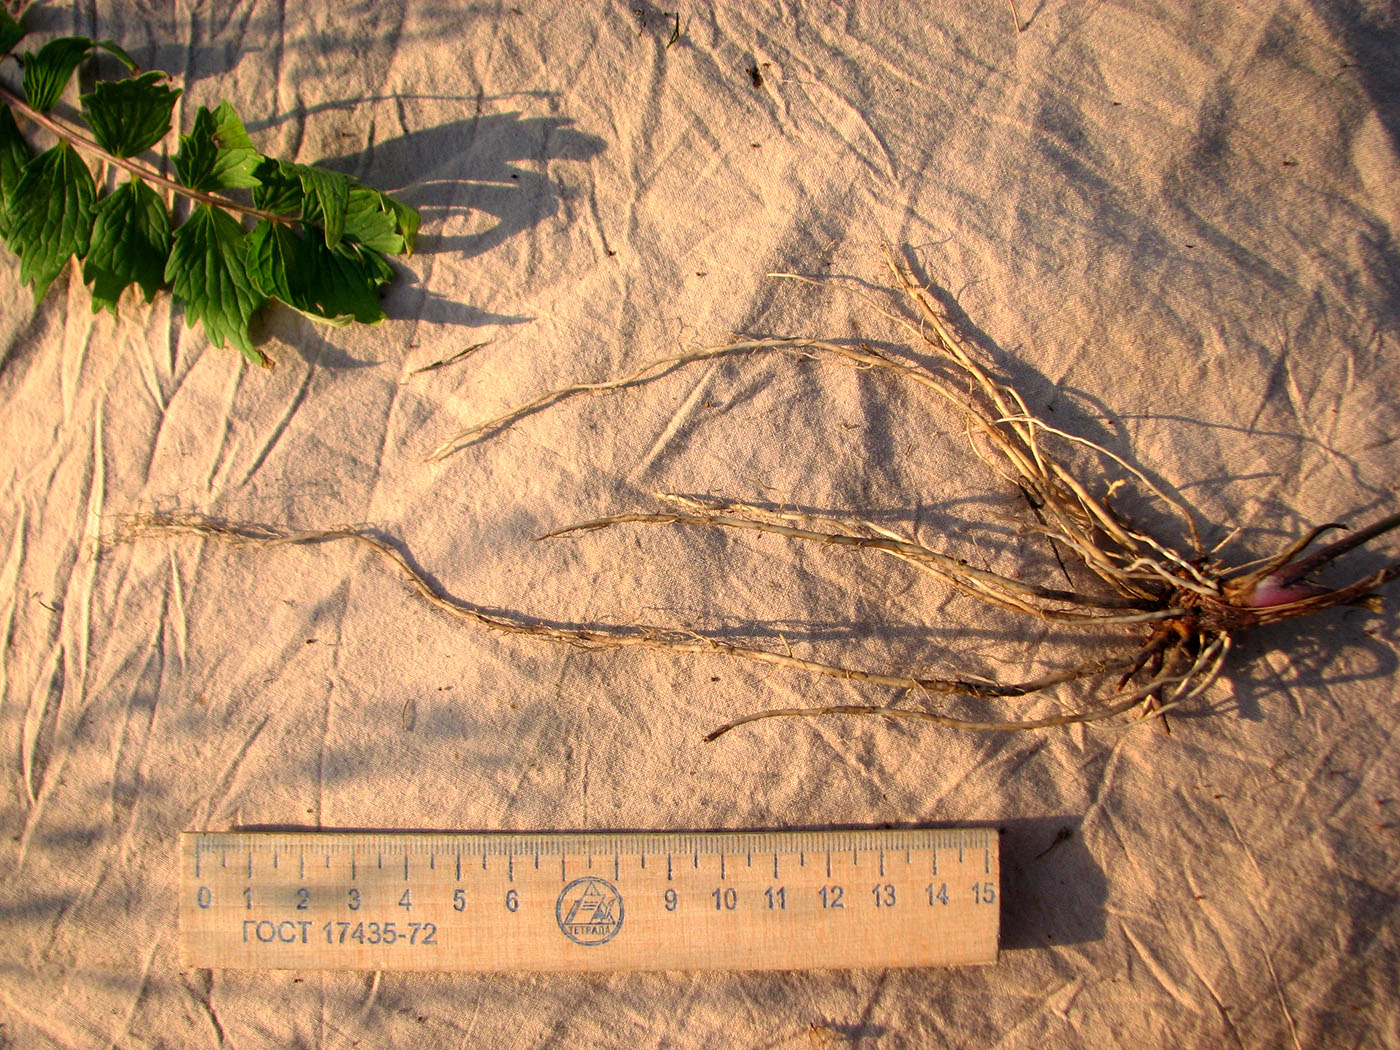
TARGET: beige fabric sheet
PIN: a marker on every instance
(1173, 226)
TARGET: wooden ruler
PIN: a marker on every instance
(774, 900)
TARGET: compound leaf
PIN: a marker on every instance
(217, 154)
(327, 259)
(11, 32)
(50, 215)
(345, 280)
(273, 252)
(370, 223)
(326, 196)
(47, 73)
(330, 200)
(331, 193)
(332, 285)
(278, 191)
(132, 115)
(130, 244)
(14, 155)
(208, 273)
(380, 222)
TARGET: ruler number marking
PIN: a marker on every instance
(386, 933)
(726, 900)
(832, 896)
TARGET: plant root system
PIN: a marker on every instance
(1165, 620)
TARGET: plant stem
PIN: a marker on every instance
(85, 144)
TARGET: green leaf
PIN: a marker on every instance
(132, 115)
(119, 52)
(278, 191)
(14, 155)
(331, 193)
(408, 220)
(208, 273)
(372, 218)
(47, 73)
(130, 244)
(217, 154)
(377, 220)
(369, 221)
(11, 32)
(50, 215)
(327, 194)
(345, 280)
(273, 253)
(332, 285)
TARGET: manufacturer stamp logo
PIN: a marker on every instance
(589, 910)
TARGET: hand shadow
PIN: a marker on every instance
(491, 163)
(472, 165)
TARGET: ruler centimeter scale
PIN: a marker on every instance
(767, 900)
